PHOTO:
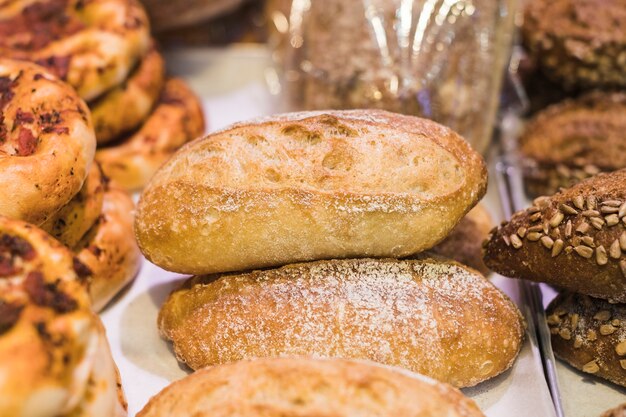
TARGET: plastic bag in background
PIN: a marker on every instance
(440, 59)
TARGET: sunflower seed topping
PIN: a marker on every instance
(533, 236)
(556, 220)
(622, 266)
(601, 256)
(591, 202)
(557, 248)
(568, 228)
(568, 209)
(584, 251)
(565, 334)
(591, 367)
(615, 251)
(547, 242)
(597, 222)
(588, 240)
(535, 217)
(515, 241)
(622, 241)
(622, 211)
(583, 228)
(620, 348)
(611, 220)
(579, 202)
(578, 342)
(612, 203)
(607, 329)
(521, 232)
(591, 213)
(608, 209)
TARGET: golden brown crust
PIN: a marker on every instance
(73, 220)
(109, 249)
(176, 119)
(573, 140)
(575, 239)
(47, 142)
(90, 44)
(306, 186)
(433, 317)
(579, 43)
(464, 243)
(590, 334)
(49, 336)
(307, 388)
(619, 411)
(127, 106)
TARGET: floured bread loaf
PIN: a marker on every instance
(433, 317)
(308, 387)
(308, 186)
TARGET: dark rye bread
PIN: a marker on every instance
(579, 43)
(573, 140)
(590, 334)
(575, 239)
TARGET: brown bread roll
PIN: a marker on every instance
(573, 140)
(307, 387)
(590, 334)
(430, 316)
(464, 243)
(575, 239)
(619, 411)
(307, 186)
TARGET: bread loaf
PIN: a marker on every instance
(464, 243)
(575, 239)
(307, 387)
(433, 317)
(590, 334)
(308, 186)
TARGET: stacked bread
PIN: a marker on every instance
(326, 203)
(103, 49)
(575, 240)
(579, 45)
(54, 357)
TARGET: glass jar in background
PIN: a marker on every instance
(440, 59)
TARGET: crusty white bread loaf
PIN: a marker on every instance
(306, 387)
(434, 317)
(307, 186)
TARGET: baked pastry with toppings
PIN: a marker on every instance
(308, 387)
(91, 44)
(579, 43)
(430, 316)
(53, 356)
(590, 334)
(574, 140)
(464, 243)
(575, 239)
(109, 249)
(128, 105)
(47, 142)
(176, 120)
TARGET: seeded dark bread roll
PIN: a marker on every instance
(573, 140)
(579, 43)
(434, 317)
(590, 334)
(619, 411)
(464, 243)
(575, 239)
(308, 186)
(308, 387)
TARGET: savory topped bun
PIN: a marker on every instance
(47, 142)
(308, 387)
(49, 337)
(575, 239)
(573, 140)
(306, 186)
(434, 317)
(91, 44)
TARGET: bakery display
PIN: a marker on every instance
(109, 250)
(433, 317)
(590, 334)
(137, 96)
(579, 43)
(307, 387)
(308, 186)
(91, 44)
(464, 243)
(47, 142)
(573, 140)
(175, 120)
(575, 239)
(52, 346)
